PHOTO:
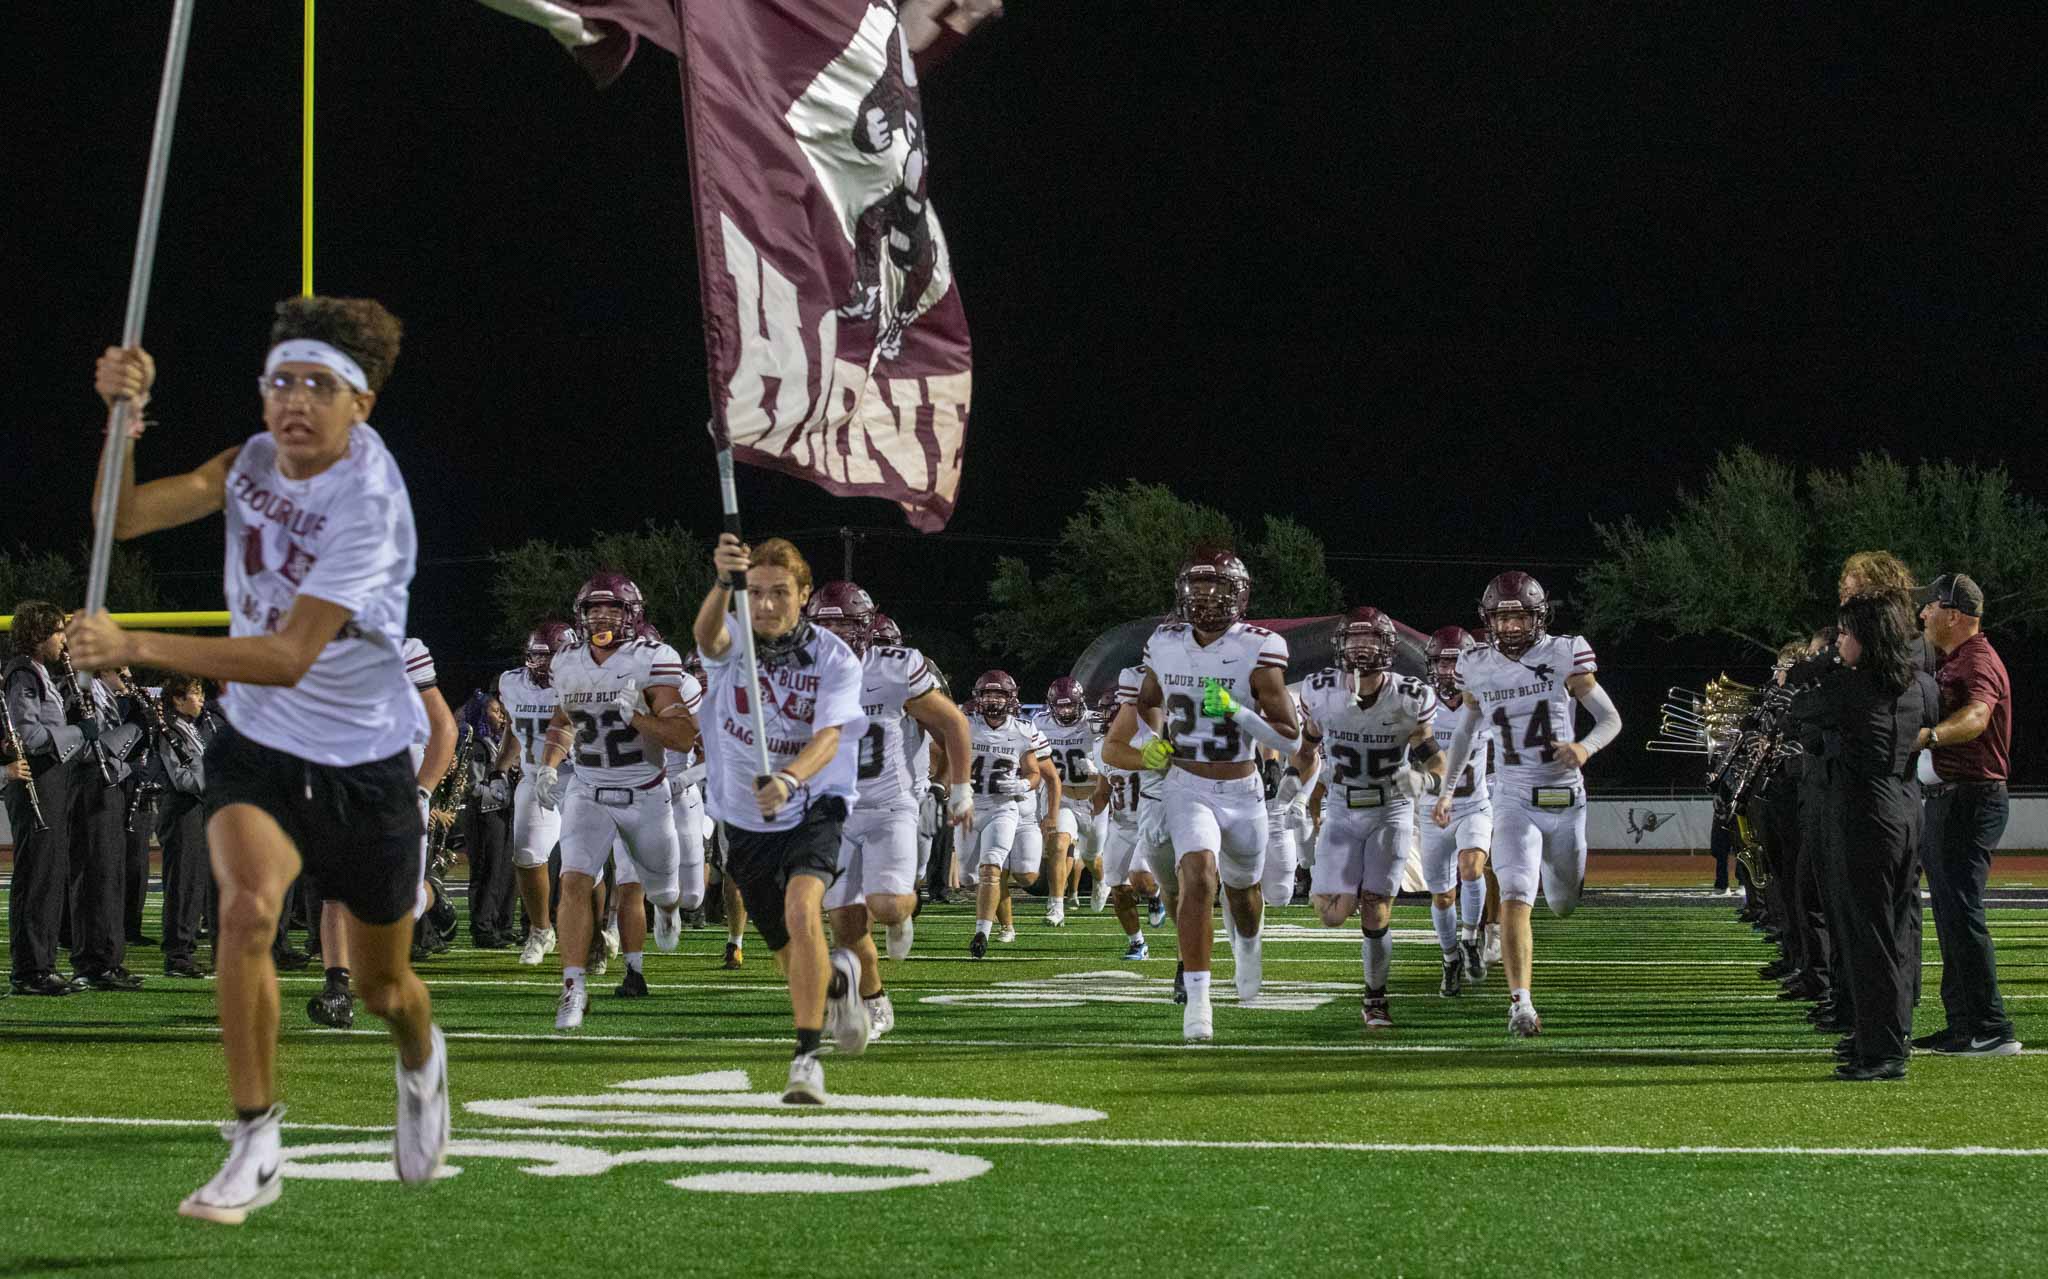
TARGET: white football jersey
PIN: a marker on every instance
(1471, 792)
(1526, 703)
(609, 751)
(687, 765)
(1180, 665)
(889, 678)
(1130, 681)
(530, 707)
(1366, 744)
(345, 536)
(999, 755)
(1071, 748)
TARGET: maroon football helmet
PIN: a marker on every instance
(1446, 645)
(1364, 641)
(542, 643)
(607, 587)
(1103, 713)
(995, 696)
(1515, 609)
(1213, 590)
(887, 632)
(1067, 700)
(847, 611)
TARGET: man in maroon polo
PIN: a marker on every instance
(1966, 812)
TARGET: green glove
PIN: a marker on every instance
(1156, 752)
(1217, 703)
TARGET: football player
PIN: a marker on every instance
(1523, 685)
(528, 692)
(1454, 856)
(1215, 691)
(1287, 820)
(1004, 769)
(1129, 800)
(1070, 749)
(1375, 728)
(621, 703)
(878, 845)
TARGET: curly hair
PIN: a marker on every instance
(1880, 571)
(1881, 623)
(360, 327)
(34, 622)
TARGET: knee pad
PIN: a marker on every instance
(1374, 933)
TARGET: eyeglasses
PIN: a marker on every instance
(318, 387)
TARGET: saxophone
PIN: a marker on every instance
(453, 794)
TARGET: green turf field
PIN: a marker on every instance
(1035, 1113)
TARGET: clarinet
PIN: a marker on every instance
(76, 698)
(148, 790)
(10, 744)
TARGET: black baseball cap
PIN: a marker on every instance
(1958, 591)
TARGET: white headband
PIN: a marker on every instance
(307, 351)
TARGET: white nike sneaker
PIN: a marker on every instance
(846, 1017)
(1523, 1021)
(612, 948)
(540, 943)
(899, 937)
(251, 1177)
(1251, 966)
(806, 1085)
(881, 1016)
(421, 1143)
(1008, 934)
(1101, 898)
(569, 1009)
(668, 930)
(1056, 914)
(1197, 1021)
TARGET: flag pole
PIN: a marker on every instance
(114, 454)
(306, 158)
(729, 495)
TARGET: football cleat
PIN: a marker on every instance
(1523, 1022)
(806, 1085)
(977, 945)
(1453, 983)
(881, 1016)
(1475, 961)
(1198, 1022)
(634, 986)
(570, 1007)
(668, 930)
(540, 943)
(1008, 934)
(333, 1007)
(1155, 911)
(734, 956)
(1138, 950)
(1373, 1009)
(251, 1177)
(1251, 966)
(846, 1017)
(1056, 914)
(612, 948)
(1491, 954)
(420, 1145)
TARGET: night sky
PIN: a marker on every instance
(1449, 286)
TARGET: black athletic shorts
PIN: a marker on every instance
(761, 863)
(357, 826)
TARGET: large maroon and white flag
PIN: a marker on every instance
(838, 346)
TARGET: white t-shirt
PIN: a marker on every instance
(799, 696)
(344, 536)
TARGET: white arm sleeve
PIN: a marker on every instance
(1606, 719)
(1461, 740)
(1256, 728)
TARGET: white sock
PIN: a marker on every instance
(572, 975)
(1471, 903)
(633, 959)
(1519, 996)
(1377, 952)
(1446, 920)
(1198, 986)
(981, 926)
(1136, 937)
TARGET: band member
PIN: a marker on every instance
(313, 769)
(1525, 685)
(623, 701)
(783, 829)
(188, 876)
(878, 845)
(1215, 691)
(54, 748)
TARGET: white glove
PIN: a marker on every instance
(1289, 787)
(547, 786)
(1298, 819)
(1410, 783)
(1011, 784)
(959, 801)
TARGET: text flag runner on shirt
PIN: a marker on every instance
(837, 342)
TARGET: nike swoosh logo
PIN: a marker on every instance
(265, 1177)
(1226, 661)
(1986, 1043)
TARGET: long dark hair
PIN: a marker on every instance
(1880, 624)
